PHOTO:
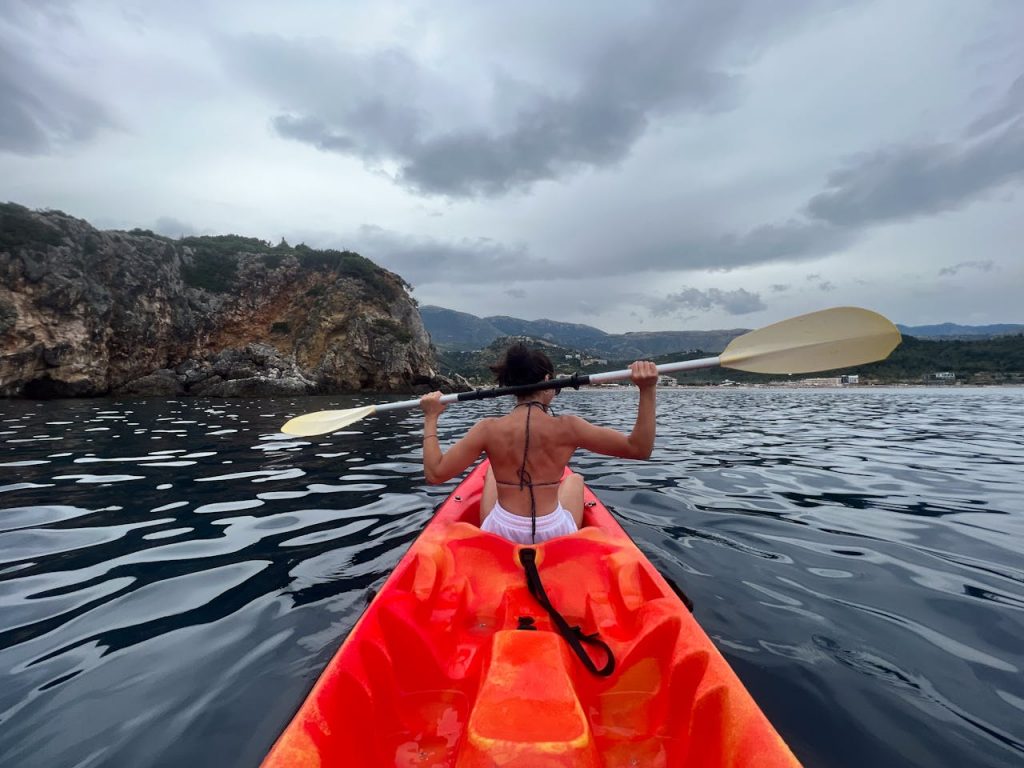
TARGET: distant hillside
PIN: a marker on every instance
(630, 346)
(474, 365)
(574, 335)
(998, 360)
(954, 331)
(449, 329)
(460, 331)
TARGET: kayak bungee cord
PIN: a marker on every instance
(573, 635)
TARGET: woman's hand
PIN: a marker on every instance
(431, 404)
(644, 374)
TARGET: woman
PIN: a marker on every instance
(525, 498)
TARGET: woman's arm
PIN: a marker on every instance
(639, 443)
(440, 466)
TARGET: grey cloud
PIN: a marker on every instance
(516, 293)
(737, 302)
(1012, 106)
(787, 241)
(424, 260)
(826, 286)
(38, 112)
(981, 266)
(792, 240)
(779, 287)
(888, 184)
(441, 138)
(312, 131)
(906, 181)
(591, 308)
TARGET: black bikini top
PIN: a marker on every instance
(525, 481)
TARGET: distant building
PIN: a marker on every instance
(849, 378)
(940, 377)
(585, 359)
(668, 381)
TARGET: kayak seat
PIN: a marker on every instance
(526, 711)
(491, 576)
(579, 590)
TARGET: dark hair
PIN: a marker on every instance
(522, 365)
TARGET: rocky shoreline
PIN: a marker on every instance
(85, 313)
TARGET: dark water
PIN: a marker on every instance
(175, 574)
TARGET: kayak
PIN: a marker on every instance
(480, 652)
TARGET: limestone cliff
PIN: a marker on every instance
(88, 312)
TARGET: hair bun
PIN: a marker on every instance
(522, 365)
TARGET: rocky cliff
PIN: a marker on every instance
(87, 312)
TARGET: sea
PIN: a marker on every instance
(174, 574)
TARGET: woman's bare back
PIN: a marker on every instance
(552, 442)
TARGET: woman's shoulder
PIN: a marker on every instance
(570, 422)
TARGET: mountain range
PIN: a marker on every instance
(950, 331)
(461, 331)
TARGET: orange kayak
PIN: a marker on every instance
(457, 663)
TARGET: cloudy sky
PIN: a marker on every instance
(635, 166)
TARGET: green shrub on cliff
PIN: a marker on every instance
(210, 271)
(215, 263)
(350, 264)
(226, 245)
(273, 260)
(20, 228)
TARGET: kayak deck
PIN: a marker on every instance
(436, 673)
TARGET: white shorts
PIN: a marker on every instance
(517, 528)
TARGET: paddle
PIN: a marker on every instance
(819, 341)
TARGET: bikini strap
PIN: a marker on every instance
(530, 404)
(535, 485)
(525, 481)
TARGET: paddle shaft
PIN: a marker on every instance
(575, 382)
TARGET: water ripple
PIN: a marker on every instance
(856, 554)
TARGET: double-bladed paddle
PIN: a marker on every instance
(818, 341)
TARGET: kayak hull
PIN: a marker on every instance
(455, 664)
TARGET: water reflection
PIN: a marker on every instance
(174, 574)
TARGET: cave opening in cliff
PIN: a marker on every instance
(49, 389)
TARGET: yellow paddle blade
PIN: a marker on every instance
(819, 341)
(322, 422)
